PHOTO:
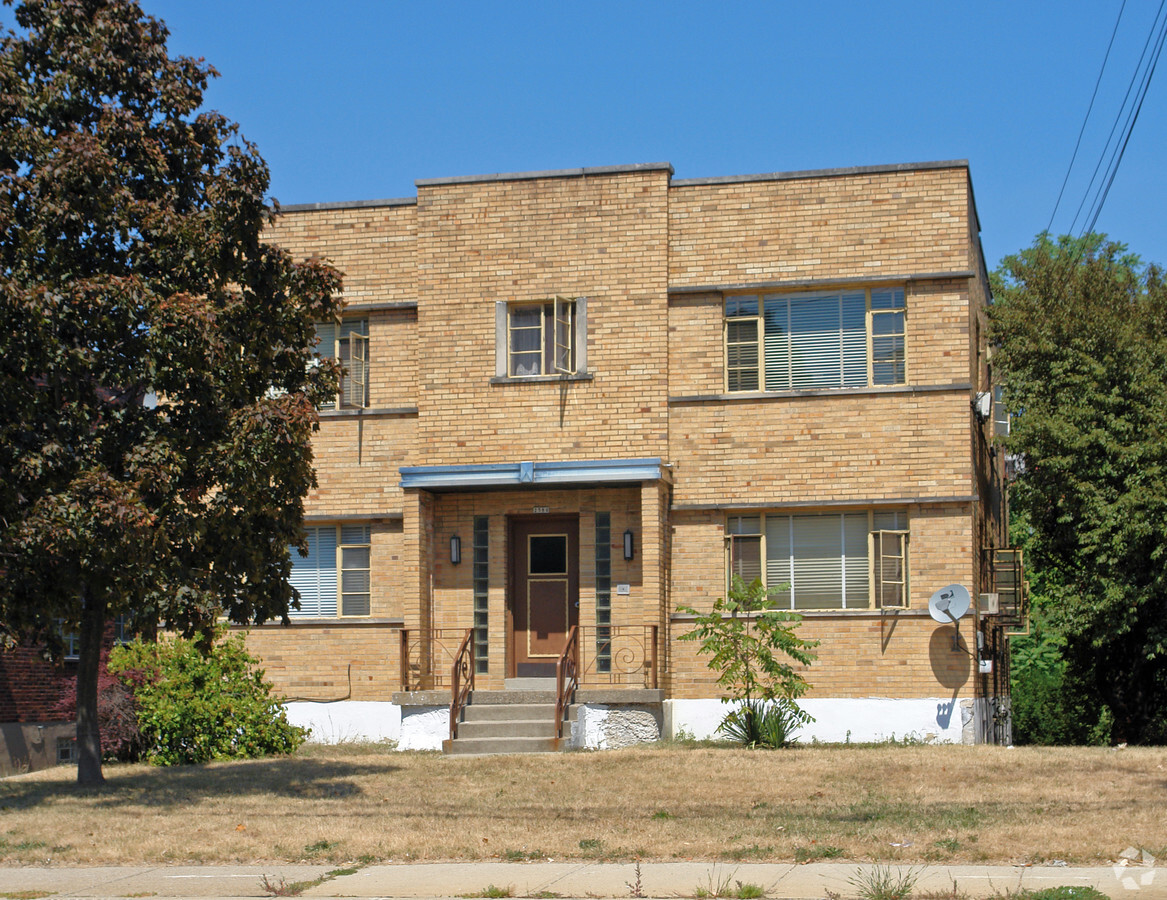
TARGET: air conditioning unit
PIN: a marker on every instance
(989, 604)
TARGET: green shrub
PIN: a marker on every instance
(197, 704)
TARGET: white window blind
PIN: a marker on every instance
(314, 576)
(832, 339)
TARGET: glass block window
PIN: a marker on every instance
(481, 592)
(603, 592)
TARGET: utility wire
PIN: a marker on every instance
(1082, 130)
(1118, 118)
(1130, 128)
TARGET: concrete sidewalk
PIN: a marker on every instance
(568, 880)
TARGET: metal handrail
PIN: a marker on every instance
(426, 656)
(566, 677)
(461, 680)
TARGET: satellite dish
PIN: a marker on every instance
(949, 603)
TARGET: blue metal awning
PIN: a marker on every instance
(531, 474)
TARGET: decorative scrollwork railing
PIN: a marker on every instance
(566, 677)
(461, 680)
(619, 654)
(426, 658)
(605, 656)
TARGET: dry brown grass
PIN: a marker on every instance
(330, 805)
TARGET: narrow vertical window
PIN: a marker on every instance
(603, 592)
(481, 592)
(742, 360)
(888, 365)
(355, 548)
(744, 534)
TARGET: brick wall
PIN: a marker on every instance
(624, 240)
(604, 238)
(842, 226)
(31, 688)
(869, 655)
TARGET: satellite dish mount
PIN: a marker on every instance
(949, 604)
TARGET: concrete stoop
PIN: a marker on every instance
(510, 721)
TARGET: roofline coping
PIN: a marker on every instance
(547, 173)
(617, 170)
(348, 204)
(824, 173)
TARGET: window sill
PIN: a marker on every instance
(824, 614)
(370, 413)
(824, 392)
(540, 379)
(310, 621)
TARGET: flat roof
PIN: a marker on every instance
(618, 170)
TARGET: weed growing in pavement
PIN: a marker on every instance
(494, 893)
(880, 883)
(636, 886)
(717, 887)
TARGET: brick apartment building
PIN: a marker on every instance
(585, 397)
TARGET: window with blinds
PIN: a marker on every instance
(835, 339)
(823, 560)
(348, 343)
(334, 578)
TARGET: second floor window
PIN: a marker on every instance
(348, 343)
(541, 338)
(831, 339)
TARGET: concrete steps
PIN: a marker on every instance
(510, 721)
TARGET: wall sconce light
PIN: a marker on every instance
(455, 549)
(628, 543)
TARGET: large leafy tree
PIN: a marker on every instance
(1082, 331)
(156, 405)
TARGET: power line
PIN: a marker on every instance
(1082, 130)
(1131, 127)
(1117, 119)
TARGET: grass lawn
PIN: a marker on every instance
(338, 804)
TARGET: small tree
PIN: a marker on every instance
(749, 642)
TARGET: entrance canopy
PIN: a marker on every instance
(555, 473)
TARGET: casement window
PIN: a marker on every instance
(831, 339)
(850, 560)
(348, 343)
(334, 577)
(547, 338)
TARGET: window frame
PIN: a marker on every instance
(759, 540)
(335, 608)
(736, 350)
(562, 329)
(348, 347)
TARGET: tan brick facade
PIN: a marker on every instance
(438, 277)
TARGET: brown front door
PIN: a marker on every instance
(544, 596)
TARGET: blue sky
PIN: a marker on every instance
(356, 100)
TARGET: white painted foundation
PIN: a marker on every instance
(347, 721)
(424, 727)
(932, 720)
(600, 727)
